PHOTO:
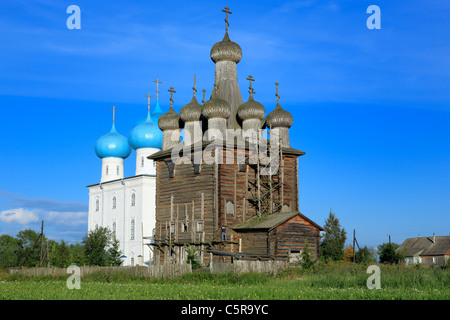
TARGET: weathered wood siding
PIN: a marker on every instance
(292, 235)
(235, 187)
(255, 242)
(183, 200)
(218, 195)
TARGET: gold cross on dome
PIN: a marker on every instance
(227, 11)
(114, 114)
(171, 95)
(148, 104)
(157, 88)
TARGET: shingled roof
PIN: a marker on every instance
(271, 221)
(424, 246)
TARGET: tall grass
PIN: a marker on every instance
(325, 281)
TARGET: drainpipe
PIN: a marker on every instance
(103, 204)
(123, 227)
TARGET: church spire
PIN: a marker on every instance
(226, 54)
(169, 123)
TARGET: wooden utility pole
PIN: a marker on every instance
(42, 243)
(354, 254)
(34, 245)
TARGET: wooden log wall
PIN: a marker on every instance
(217, 195)
(254, 242)
(184, 201)
(292, 235)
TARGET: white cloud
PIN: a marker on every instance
(68, 218)
(19, 215)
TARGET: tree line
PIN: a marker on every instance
(99, 247)
(333, 248)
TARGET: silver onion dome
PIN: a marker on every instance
(279, 118)
(226, 50)
(191, 111)
(251, 110)
(169, 120)
(216, 107)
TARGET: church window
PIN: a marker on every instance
(97, 205)
(132, 262)
(107, 169)
(133, 199)
(114, 228)
(132, 229)
(184, 226)
(114, 204)
(117, 170)
(199, 225)
(142, 162)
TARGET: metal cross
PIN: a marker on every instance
(250, 78)
(148, 104)
(227, 11)
(171, 95)
(277, 95)
(195, 90)
(204, 91)
(157, 88)
(114, 114)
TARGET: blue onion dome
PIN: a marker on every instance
(112, 145)
(157, 112)
(146, 135)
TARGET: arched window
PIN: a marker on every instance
(114, 202)
(117, 170)
(114, 228)
(133, 199)
(132, 229)
(107, 169)
(142, 162)
(97, 205)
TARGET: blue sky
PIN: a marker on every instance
(371, 107)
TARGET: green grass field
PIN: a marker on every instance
(339, 281)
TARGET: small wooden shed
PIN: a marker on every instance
(280, 235)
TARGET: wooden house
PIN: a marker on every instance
(433, 250)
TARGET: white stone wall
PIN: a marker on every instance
(116, 207)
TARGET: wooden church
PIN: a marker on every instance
(229, 190)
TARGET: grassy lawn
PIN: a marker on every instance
(340, 281)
